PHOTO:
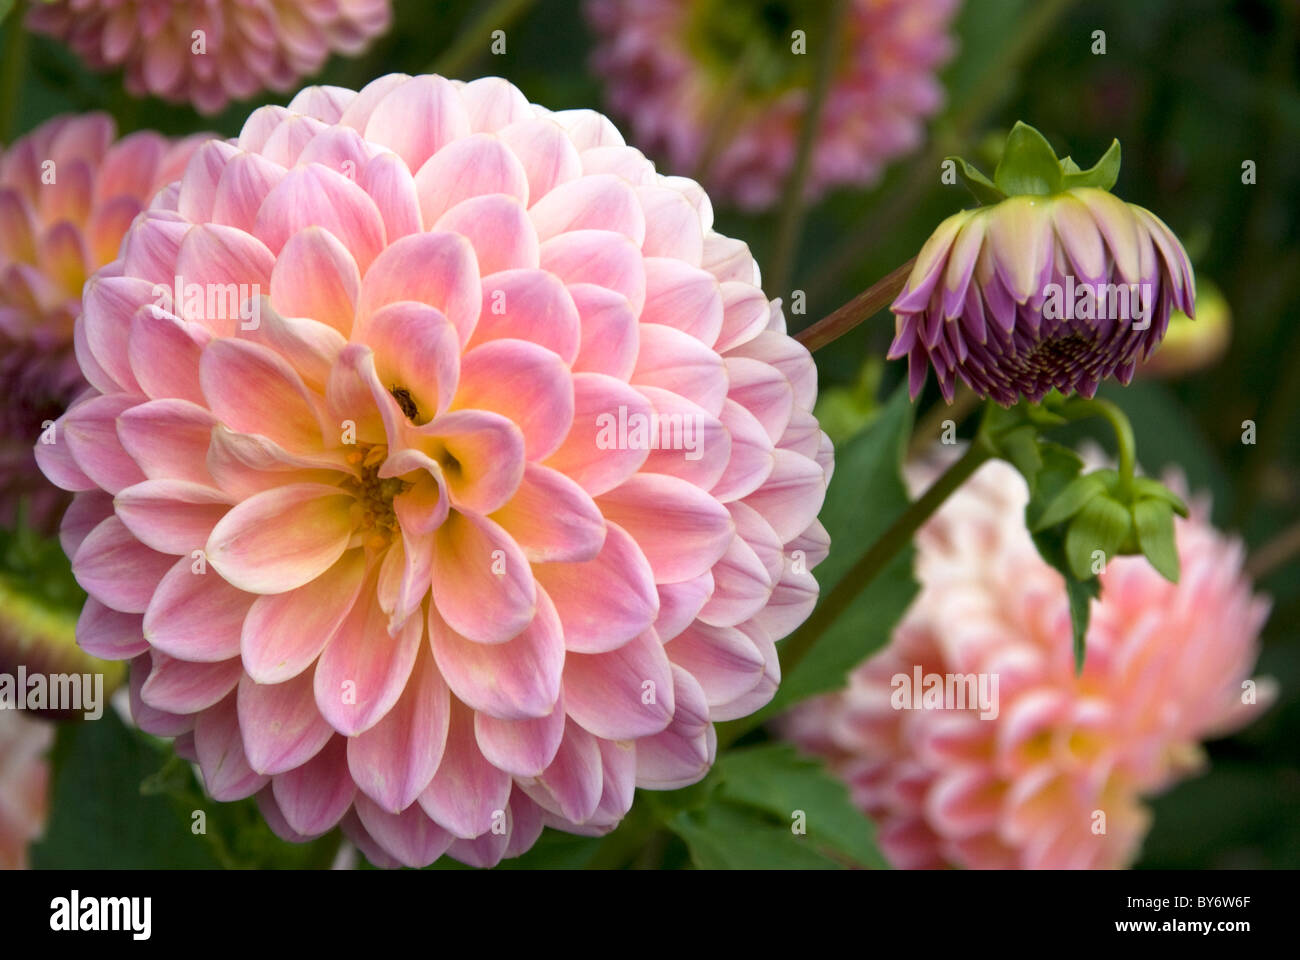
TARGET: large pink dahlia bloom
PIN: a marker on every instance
(209, 52)
(719, 84)
(498, 497)
(1066, 756)
(68, 191)
(24, 785)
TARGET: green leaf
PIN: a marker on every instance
(1070, 501)
(1080, 593)
(865, 496)
(1020, 448)
(1103, 524)
(99, 818)
(775, 778)
(725, 836)
(980, 186)
(1101, 175)
(1154, 521)
(1028, 164)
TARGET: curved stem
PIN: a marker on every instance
(1080, 408)
(473, 40)
(860, 308)
(790, 225)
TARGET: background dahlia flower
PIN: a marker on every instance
(1165, 669)
(716, 83)
(383, 541)
(245, 46)
(68, 192)
(24, 785)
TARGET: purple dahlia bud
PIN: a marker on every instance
(1054, 284)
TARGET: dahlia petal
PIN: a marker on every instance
(220, 749)
(609, 332)
(89, 430)
(592, 455)
(682, 754)
(552, 519)
(225, 266)
(416, 119)
(195, 617)
(527, 384)
(606, 601)
(284, 633)
(315, 796)
(410, 836)
(475, 166)
(523, 747)
(315, 196)
(681, 529)
(492, 103)
(601, 257)
(514, 679)
(279, 723)
(548, 155)
(724, 661)
(390, 184)
(168, 439)
(117, 569)
(315, 276)
(686, 441)
(498, 228)
(417, 348)
(621, 695)
(434, 268)
(683, 297)
(393, 762)
(158, 722)
(530, 305)
(109, 304)
(179, 686)
(468, 553)
(595, 202)
(467, 792)
(156, 334)
(171, 516)
(678, 362)
(244, 186)
(792, 495)
(680, 603)
(574, 779)
(363, 669)
(105, 633)
(251, 389)
(673, 227)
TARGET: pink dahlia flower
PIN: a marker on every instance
(719, 84)
(24, 785)
(487, 486)
(67, 194)
(209, 52)
(1060, 757)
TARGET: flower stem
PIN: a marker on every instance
(473, 39)
(862, 307)
(1080, 408)
(790, 226)
(11, 75)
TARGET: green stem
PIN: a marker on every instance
(790, 226)
(11, 74)
(862, 573)
(1080, 408)
(473, 40)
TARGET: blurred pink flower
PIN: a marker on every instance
(24, 785)
(1165, 669)
(720, 84)
(386, 526)
(209, 52)
(67, 194)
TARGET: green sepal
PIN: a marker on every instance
(1154, 521)
(980, 186)
(1071, 500)
(1103, 524)
(1148, 489)
(1028, 165)
(1081, 593)
(1101, 175)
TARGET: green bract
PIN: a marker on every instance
(1029, 166)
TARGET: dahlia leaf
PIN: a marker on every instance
(1154, 521)
(776, 779)
(1028, 164)
(729, 837)
(1101, 174)
(1081, 593)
